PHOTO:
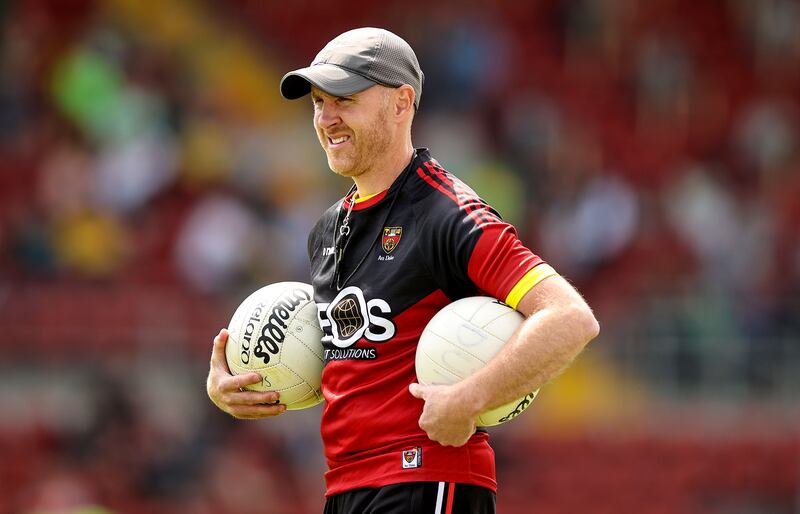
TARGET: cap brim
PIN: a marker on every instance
(330, 78)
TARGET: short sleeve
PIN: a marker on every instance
(473, 251)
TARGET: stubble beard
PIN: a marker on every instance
(368, 147)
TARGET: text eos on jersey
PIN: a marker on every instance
(349, 317)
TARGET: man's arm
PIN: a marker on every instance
(559, 324)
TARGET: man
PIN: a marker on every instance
(407, 240)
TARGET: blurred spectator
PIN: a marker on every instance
(472, 56)
(664, 76)
(65, 182)
(771, 28)
(592, 227)
(707, 216)
(766, 137)
(207, 152)
(91, 244)
(17, 82)
(216, 242)
(130, 175)
(63, 493)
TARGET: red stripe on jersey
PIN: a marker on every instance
(450, 493)
(499, 260)
(435, 184)
(452, 193)
(469, 199)
(466, 197)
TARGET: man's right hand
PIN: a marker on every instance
(228, 393)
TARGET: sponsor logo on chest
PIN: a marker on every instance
(350, 317)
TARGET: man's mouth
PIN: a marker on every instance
(335, 142)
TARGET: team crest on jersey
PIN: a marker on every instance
(412, 458)
(391, 238)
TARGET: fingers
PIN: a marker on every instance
(251, 398)
(219, 367)
(248, 404)
(227, 391)
(218, 360)
(223, 385)
(417, 391)
(447, 436)
(455, 441)
(256, 411)
(237, 382)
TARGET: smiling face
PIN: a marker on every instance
(353, 130)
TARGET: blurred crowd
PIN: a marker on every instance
(640, 147)
(146, 446)
(649, 150)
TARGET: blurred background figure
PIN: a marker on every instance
(151, 178)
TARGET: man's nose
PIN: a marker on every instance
(328, 114)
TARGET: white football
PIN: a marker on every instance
(275, 332)
(460, 339)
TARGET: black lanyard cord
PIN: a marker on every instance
(344, 232)
(341, 233)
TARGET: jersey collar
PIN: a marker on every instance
(366, 204)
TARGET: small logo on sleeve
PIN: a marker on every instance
(412, 458)
(391, 238)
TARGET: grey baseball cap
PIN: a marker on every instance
(356, 60)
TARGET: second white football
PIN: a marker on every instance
(460, 339)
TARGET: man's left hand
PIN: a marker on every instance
(447, 417)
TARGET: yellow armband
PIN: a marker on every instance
(526, 283)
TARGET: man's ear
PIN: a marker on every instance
(403, 100)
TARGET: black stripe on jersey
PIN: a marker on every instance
(465, 198)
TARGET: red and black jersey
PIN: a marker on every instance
(405, 253)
